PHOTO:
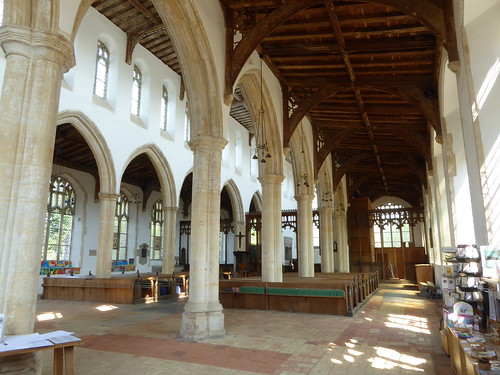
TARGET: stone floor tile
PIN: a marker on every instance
(394, 333)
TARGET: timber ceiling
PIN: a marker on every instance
(363, 72)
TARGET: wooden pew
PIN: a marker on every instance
(310, 296)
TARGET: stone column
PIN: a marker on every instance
(326, 239)
(35, 63)
(336, 238)
(107, 212)
(203, 317)
(342, 246)
(272, 247)
(169, 233)
(305, 235)
(472, 147)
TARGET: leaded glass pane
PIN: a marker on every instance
(59, 220)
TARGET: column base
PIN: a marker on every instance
(21, 364)
(202, 325)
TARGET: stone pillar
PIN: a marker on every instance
(272, 247)
(107, 212)
(342, 246)
(203, 317)
(473, 154)
(305, 235)
(336, 238)
(169, 233)
(35, 63)
(326, 239)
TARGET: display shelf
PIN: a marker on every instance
(462, 272)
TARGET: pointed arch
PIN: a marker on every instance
(97, 143)
(302, 161)
(198, 66)
(389, 199)
(162, 168)
(257, 201)
(236, 202)
(250, 88)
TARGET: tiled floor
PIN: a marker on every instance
(395, 332)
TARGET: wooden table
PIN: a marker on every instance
(64, 356)
(462, 363)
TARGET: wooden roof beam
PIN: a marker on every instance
(290, 122)
(256, 35)
(350, 70)
(349, 163)
(133, 39)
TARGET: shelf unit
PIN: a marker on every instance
(462, 274)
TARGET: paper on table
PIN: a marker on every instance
(59, 337)
(28, 341)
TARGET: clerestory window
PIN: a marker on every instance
(136, 92)
(164, 109)
(101, 70)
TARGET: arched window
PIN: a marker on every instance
(120, 228)
(238, 151)
(391, 235)
(164, 109)
(157, 221)
(1, 12)
(59, 220)
(187, 124)
(101, 70)
(136, 92)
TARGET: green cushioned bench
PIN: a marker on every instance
(252, 289)
(306, 292)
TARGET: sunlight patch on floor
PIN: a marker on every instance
(387, 359)
(104, 308)
(48, 316)
(408, 323)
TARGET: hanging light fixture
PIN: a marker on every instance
(261, 149)
(303, 178)
(326, 195)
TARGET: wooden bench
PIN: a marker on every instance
(315, 297)
(359, 285)
(118, 289)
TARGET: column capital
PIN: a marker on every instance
(207, 143)
(454, 66)
(38, 45)
(304, 197)
(271, 179)
(325, 210)
(340, 212)
(108, 196)
(171, 209)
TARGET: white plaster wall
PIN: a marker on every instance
(482, 27)
(124, 135)
(461, 205)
